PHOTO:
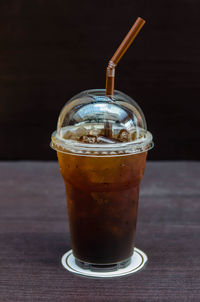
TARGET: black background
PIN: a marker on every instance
(51, 50)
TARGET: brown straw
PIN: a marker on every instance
(131, 35)
(110, 72)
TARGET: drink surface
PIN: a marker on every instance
(102, 200)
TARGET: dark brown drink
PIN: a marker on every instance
(102, 199)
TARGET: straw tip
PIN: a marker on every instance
(141, 20)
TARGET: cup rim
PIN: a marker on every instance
(73, 147)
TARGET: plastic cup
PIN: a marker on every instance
(102, 180)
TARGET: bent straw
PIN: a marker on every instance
(129, 38)
(110, 71)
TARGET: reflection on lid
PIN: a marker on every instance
(102, 111)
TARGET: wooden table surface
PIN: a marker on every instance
(34, 234)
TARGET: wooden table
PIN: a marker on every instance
(34, 234)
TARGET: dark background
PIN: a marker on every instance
(51, 50)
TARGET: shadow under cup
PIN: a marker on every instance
(102, 200)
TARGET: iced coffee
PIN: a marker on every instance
(102, 174)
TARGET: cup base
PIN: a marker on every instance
(130, 266)
(103, 268)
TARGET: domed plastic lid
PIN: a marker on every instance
(94, 124)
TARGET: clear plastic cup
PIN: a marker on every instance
(102, 174)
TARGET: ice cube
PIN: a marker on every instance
(81, 131)
(93, 131)
(123, 136)
(105, 140)
(88, 139)
(69, 135)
